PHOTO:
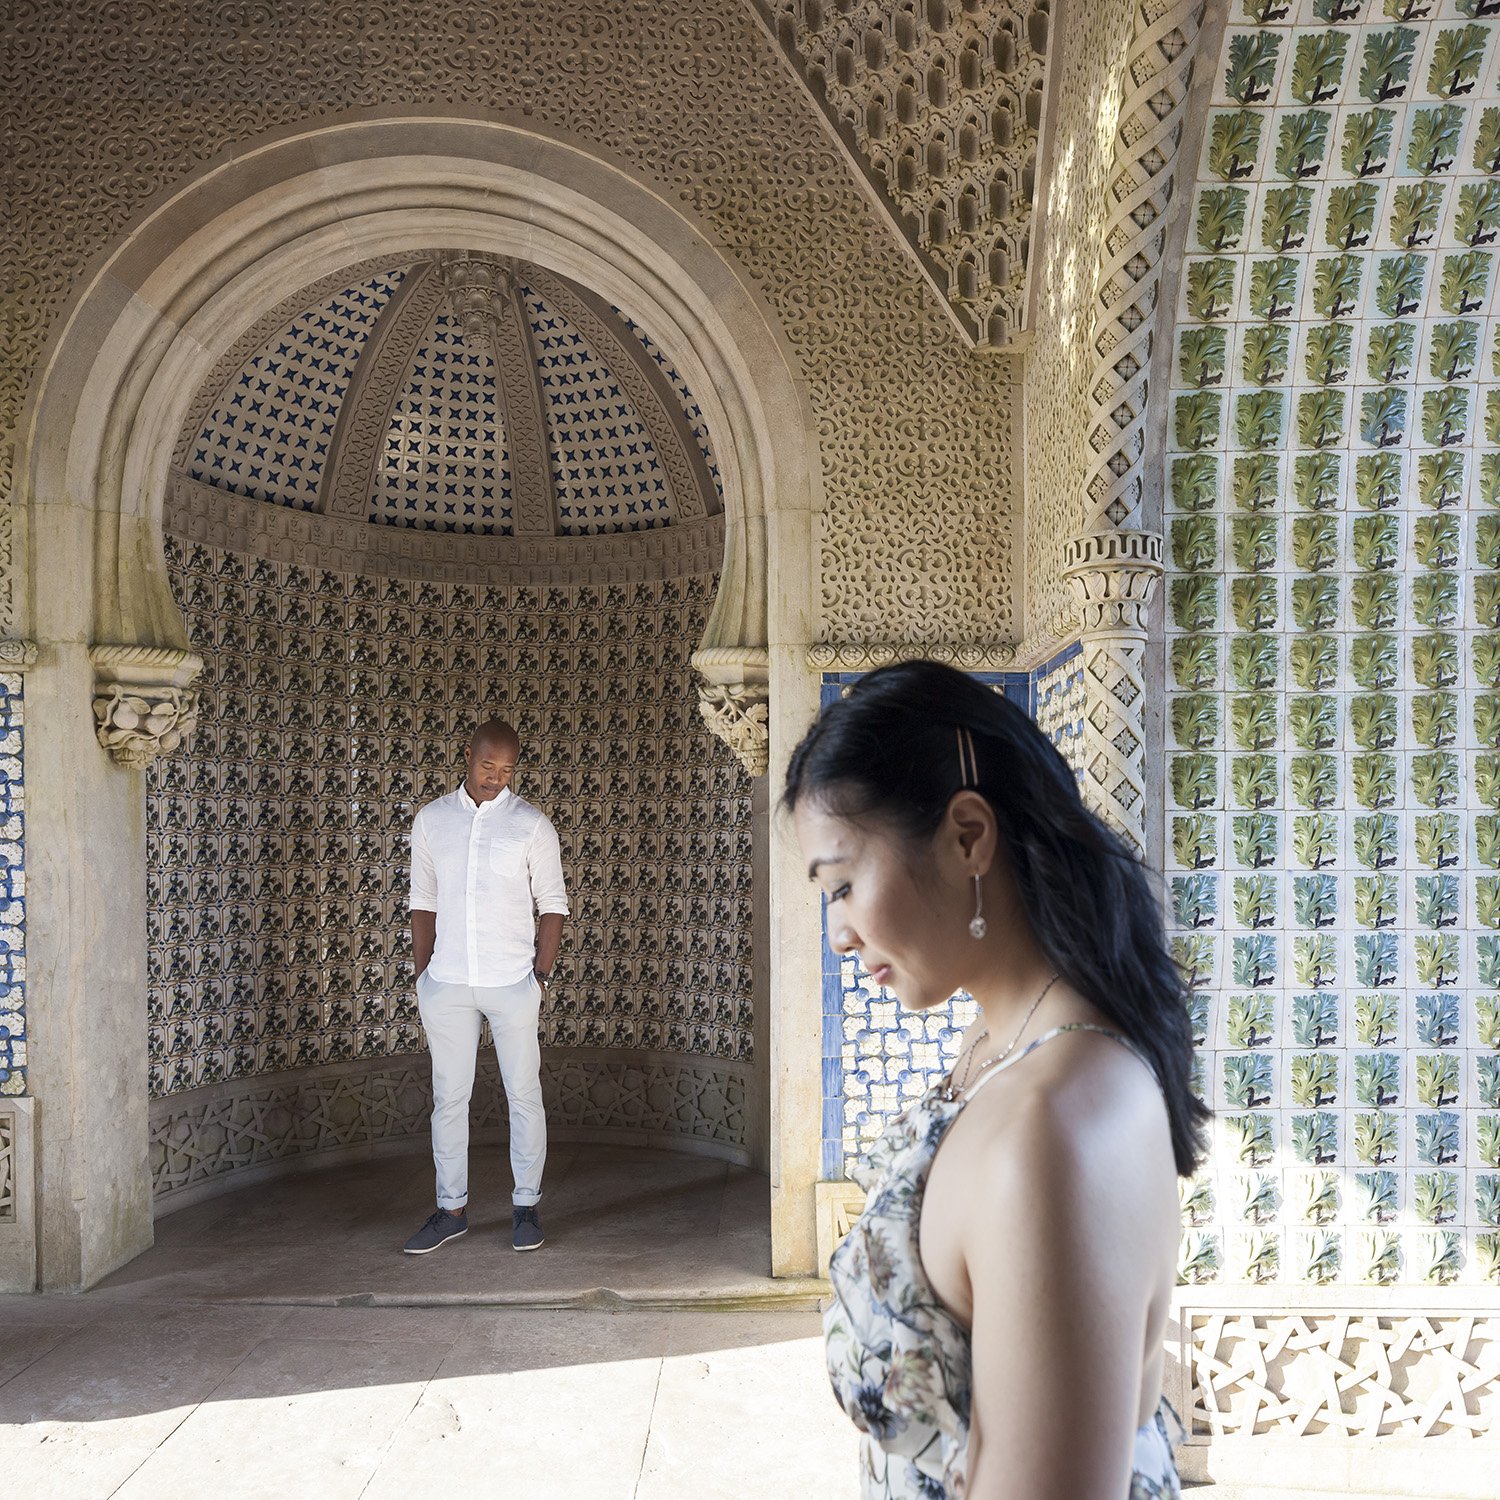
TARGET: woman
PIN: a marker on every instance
(999, 1310)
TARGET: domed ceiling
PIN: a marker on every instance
(455, 394)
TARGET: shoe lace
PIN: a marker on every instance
(526, 1216)
(434, 1220)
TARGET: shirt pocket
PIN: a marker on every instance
(508, 856)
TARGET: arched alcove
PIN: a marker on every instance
(148, 333)
(410, 498)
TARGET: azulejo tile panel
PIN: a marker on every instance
(685, 399)
(1333, 606)
(271, 432)
(334, 704)
(12, 886)
(604, 465)
(445, 462)
(877, 1057)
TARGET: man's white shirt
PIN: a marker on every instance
(485, 868)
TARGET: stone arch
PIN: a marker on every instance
(97, 443)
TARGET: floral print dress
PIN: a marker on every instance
(899, 1361)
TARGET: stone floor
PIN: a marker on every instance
(646, 1226)
(275, 1342)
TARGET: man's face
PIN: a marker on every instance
(489, 764)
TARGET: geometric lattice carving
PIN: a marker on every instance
(1158, 72)
(8, 1166)
(1417, 1375)
(940, 105)
(207, 1134)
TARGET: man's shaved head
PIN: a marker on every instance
(490, 759)
(496, 733)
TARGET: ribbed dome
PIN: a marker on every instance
(456, 394)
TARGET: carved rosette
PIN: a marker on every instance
(1114, 574)
(144, 704)
(735, 701)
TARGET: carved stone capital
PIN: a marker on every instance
(478, 287)
(144, 705)
(735, 701)
(1114, 575)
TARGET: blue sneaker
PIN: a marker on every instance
(525, 1231)
(438, 1230)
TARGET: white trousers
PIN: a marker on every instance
(451, 1014)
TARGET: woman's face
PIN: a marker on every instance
(890, 901)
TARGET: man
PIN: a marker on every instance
(481, 860)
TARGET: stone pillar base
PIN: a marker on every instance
(17, 1196)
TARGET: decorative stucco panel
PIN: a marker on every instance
(918, 474)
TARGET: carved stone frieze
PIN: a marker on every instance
(365, 412)
(1158, 73)
(16, 655)
(1114, 574)
(971, 656)
(144, 705)
(200, 513)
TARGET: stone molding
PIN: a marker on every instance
(1114, 575)
(144, 705)
(1158, 75)
(199, 513)
(365, 412)
(970, 656)
(484, 298)
(208, 1138)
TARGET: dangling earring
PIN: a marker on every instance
(977, 925)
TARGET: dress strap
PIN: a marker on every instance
(1047, 1036)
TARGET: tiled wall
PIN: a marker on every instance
(1334, 663)
(877, 1056)
(333, 705)
(12, 888)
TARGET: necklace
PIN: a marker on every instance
(955, 1085)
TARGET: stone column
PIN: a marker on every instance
(1114, 574)
(1113, 566)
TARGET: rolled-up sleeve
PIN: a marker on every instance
(544, 865)
(424, 893)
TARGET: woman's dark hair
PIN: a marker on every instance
(889, 749)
